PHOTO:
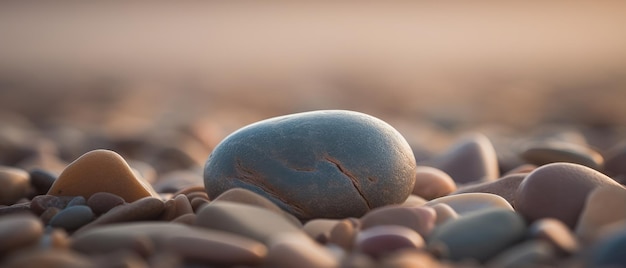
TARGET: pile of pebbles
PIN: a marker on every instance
(554, 202)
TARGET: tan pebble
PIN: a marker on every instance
(504, 187)
(470, 202)
(472, 158)
(409, 258)
(147, 208)
(14, 184)
(245, 196)
(418, 219)
(19, 231)
(246, 220)
(298, 250)
(100, 171)
(552, 151)
(414, 201)
(604, 206)
(384, 239)
(187, 219)
(557, 234)
(343, 234)
(319, 229)
(199, 203)
(175, 181)
(48, 258)
(444, 213)
(558, 190)
(532, 253)
(431, 183)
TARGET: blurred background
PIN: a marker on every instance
(129, 69)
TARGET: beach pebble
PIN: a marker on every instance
(77, 201)
(319, 229)
(147, 208)
(41, 180)
(249, 221)
(418, 219)
(444, 213)
(14, 184)
(48, 214)
(414, 201)
(479, 235)
(558, 190)
(384, 239)
(431, 183)
(533, 253)
(102, 202)
(505, 187)
(48, 258)
(615, 158)
(344, 232)
(41, 203)
(100, 171)
(307, 163)
(472, 158)
(551, 151)
(604, 206)
(557, 234)
(298, 250)
(470, 202)
(610, 251)
(245, 196)
(19, 231)
(72, 217)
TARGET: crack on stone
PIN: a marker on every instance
(254, 178)
(353, 179)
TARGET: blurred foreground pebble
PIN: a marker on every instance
(558, 203)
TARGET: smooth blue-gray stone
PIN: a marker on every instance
(611, 251)
(72, 218)
(320, 164)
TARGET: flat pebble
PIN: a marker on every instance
(479, 235)
(604, 206)
(444, 213)
(470, 159)
(535, 253)
(41, 180)
(384, 239)
(557, 234)
(431, 183)
(471, 202)
(72, 218)
(19, 231)
(147, 208)
(100, 171)
(307, 163)
(414, 201)
(245, 196)
(102, 202)
(418, 219)
(20, 208)
(48, 258)
(298, 250)
(249, 221)
(558, 190)
(552, 151)
(506, 187)
(14, 184)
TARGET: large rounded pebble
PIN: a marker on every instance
(194, 243)
(102, 202)
(504, 187)
(298, 250)
(14, 184)
(552, 151)
(479, 235)
(343, 233)
(147, 208)
(41, 203)
(527, 254)
(471, 202)
(319, 229)
(384, 239)
(558, 190)
(250, 221)
(245, 196)
(48, 258)
(41, 180)
(418, 219)
(100, 171)
(604, 206)
(72, 218)
(431, 183)
(557, 234)
(444, 213)
(470, 159)
(308, 163)
(610, 251)
(19, 231)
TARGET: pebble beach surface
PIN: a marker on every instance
(318, 189)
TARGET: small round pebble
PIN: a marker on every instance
(147, 208)
(72, 217)
(309, 163)
(298, 250)
(557, 234)
(505, 187)
(444, 213)
(419, 219)
(41, 180)
(431, 183)
(471, 202)
(384, 239)
(14, 184)
(558, 190)
(102, 202)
